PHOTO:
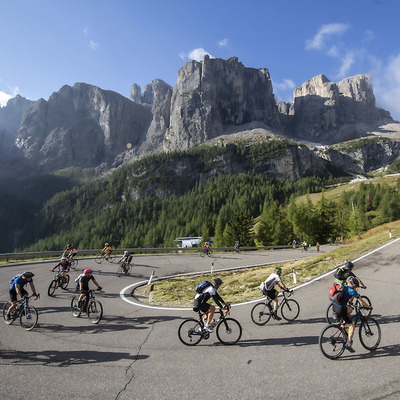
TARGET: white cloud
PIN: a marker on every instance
(196, 54)
(368, 36)
(284, 90)
(93, 45)
(386, 82)
(333, 51)
(347, 62)
(319, 40)
(4, 97)
(223, 43)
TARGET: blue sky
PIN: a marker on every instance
(45, 44)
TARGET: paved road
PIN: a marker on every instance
(134, 353)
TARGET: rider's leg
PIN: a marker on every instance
(352, 329)
(210, 315)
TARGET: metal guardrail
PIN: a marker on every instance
(150, 250)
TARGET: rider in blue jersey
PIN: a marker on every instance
(17, 289)
(343, 311)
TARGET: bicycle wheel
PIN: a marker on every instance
(330, 315)
(209, 254)
(290, 310)
(28, 318)
(76, 310)
(64, 282)
(110, 259)
(94, 311)
(369, 333)
(52, 287)
(99, 259)
(260, 314)
(229, 331)
(5, 309)
(190, 332)
(366, 312)
(331, 341)
(120, 270)
(74, 264)
(202, 253)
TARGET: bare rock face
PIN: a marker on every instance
(215, 95)
(10, 119)
(328, 112)
(81, 126)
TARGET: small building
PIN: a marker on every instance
(188, 241)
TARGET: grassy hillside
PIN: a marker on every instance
(242, 285)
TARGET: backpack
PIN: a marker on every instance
(336, 293)
(201, 286)
(14, 278)
(342, 273)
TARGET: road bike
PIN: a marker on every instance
(28, 315)
(123, 268)
(58, 281)
(236, 249)
(228, 330)
(89, 305)
(261, 313)
(101, 257)
(333, 337)
(331, 316)
(205, 252)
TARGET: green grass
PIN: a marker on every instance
(242, 285)
(334, 193)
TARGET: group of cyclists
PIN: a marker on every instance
(344, 276)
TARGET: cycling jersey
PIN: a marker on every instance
(348, 293)
(63, 267)
(85, 282)
(21, 282)
(200, 300)
(271, 281)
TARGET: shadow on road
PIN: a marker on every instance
(63, 358)
(288, 341)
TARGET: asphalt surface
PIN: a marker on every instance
(135, 353)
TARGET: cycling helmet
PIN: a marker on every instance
(28, 274)
(63, 258)
(278, 269)
(87, 271)
(106, 244)
(353, 280)
(69, 245)
(125, 253)
(217, 281)
(349, 264)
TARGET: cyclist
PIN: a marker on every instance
(17, 289)
(84, 284)
(236, 246)
(126, 260)
(106, 250)
(70, 252)
(206, 247)
(343, 311)
(200, 302)
(270, 291)
(342, 273)
(63, 266)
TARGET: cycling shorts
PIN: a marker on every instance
(272, 293)
(14, 296)
(200, 306)
(341, 312)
